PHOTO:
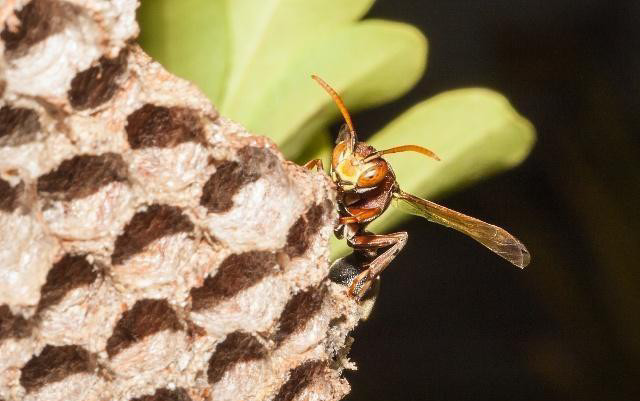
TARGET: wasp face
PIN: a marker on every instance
(353, 172)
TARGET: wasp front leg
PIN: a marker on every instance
(315, 164)
(370, 242)
(360, 215)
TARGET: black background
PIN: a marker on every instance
(455, 322)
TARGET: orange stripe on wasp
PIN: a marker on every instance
(366, 187)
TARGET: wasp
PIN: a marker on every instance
(366, 186)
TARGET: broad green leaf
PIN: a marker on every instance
(189, 38)
(476, 133)
(254, 59)
(265, 34)
(368, 63)
(319, 146)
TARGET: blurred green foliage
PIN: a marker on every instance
(254, 59)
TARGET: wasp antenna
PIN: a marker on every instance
(404, 148)
(337, 99)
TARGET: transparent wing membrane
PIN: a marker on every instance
(348, 136)
(493, 237)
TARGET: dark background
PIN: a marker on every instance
(455, 322)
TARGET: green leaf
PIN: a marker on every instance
(254, 59)
(476, 132)
(319, 146)
(265, 34)
(189, 38)
(368, 63)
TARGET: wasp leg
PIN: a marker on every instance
(360, 216)
(344, 271)
(365, 279)
(368, 300)
(315, 164)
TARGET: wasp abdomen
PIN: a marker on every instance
(344, 270)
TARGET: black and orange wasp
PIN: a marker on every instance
(366, 186)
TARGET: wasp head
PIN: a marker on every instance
(355, 172)
(354, 167)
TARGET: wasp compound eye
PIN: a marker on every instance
(339, 153)
(373, 175)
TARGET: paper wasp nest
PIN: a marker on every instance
(149, 248)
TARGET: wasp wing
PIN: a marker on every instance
(347, 135)
(493, 237)
(343, 133)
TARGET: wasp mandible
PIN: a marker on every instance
(366, 187)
